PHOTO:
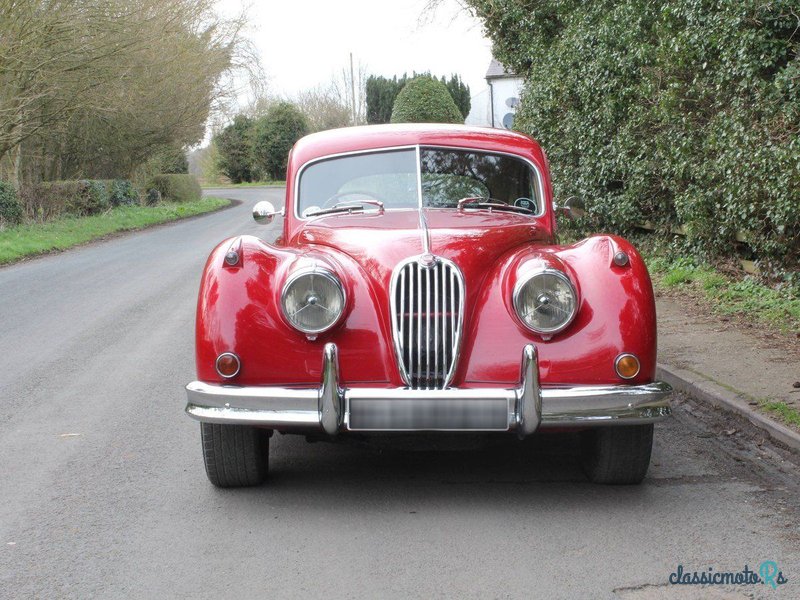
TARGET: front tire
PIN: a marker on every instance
(235, 455)
(617, 455)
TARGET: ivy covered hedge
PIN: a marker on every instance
(677, 112)
(10, 209)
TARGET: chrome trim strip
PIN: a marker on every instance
(457, 320)
(328, 407)
(423, 221)
(428, 328)
(436, 307)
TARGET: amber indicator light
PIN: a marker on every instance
(627, 366)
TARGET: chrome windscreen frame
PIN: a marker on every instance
(417, 148)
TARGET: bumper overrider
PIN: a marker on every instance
(332, 408)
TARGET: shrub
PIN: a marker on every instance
(153, 197)
(425, 100)
(52, 199)
(121, 192)
(381, 93)
(675, 112)
(10, 209)
(176, 187)
(274, 135)
(97, 196)
(173, 160)
(234, 147)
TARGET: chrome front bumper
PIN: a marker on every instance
(524, 409)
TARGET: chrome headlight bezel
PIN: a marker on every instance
(525, 280)
(315, 272)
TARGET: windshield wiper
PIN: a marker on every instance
(491, 204)
(347, 207)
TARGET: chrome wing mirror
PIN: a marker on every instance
(573, 208)
(264, 212)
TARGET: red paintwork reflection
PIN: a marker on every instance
(616, 313)
(239, 308)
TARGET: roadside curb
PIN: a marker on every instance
(718, 396)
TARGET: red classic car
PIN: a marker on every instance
(418, 286)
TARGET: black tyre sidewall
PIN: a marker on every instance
(617, 455)
(235, 455)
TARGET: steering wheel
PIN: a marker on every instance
(369, 196)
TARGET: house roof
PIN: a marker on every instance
(497, 69)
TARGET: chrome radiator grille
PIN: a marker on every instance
(427, 316)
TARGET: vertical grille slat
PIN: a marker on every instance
(436, 304)
(428, 295)
(402, 320)
(420, 314)
(427, 306)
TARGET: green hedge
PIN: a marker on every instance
(52, 199)
(10, 209)
(176, 188)
(425, 100)
(678, 112)
(121, 192)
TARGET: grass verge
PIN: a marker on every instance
(40, 238)
(788, 414)
(245, 184)
(777, 307)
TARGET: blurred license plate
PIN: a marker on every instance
(443, 414)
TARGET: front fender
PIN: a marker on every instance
(238, 310)
(616, 314)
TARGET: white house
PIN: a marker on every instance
(495, 105)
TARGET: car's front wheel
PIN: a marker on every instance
(617, 455)
(235, 455)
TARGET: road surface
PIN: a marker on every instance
(104, 494)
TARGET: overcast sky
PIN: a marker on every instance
(303, 43)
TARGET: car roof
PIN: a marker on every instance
(354, 139)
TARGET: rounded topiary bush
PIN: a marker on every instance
(10, 209)
(425, 100)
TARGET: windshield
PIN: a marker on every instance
(446, 176)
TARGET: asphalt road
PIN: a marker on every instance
(103, 494)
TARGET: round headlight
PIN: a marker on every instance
(546, 301)
(313, 301)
